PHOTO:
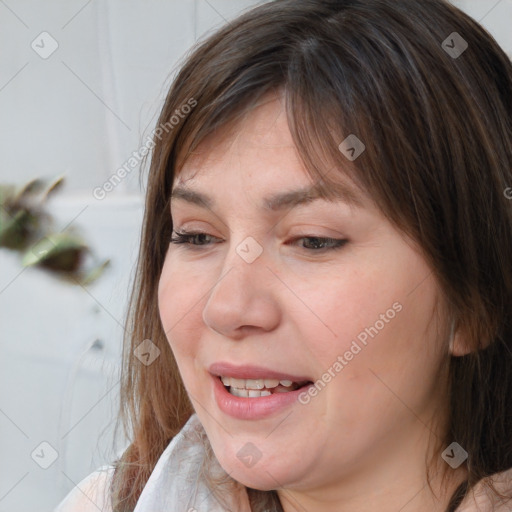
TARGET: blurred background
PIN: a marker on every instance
(81, 84)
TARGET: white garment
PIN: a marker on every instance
(177, 484)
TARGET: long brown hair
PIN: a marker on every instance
(437, 126)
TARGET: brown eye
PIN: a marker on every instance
(193, 239)
(318, 244)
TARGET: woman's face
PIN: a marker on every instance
(261, 296)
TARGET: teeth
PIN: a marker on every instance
(238, 383)
(253, 393)
(254, 388)
(244, 393)
(249, 393)
(254, 383)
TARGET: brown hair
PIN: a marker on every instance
(438, 134)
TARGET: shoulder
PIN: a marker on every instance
(91, 494)
(483, 499)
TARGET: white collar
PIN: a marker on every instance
(177, 482)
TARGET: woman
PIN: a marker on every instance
(320, 319)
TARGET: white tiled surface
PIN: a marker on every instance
(83, 111)
(494, 15)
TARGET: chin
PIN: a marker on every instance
(244, 466)
(261, 478)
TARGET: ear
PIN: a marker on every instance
(458, 345)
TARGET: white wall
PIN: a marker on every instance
(494, 15)
(82, 112)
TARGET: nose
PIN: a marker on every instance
(243, 299)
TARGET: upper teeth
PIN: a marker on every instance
(254, 383)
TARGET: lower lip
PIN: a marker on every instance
(252, 408)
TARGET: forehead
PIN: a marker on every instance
(258, 153)
(264, 126)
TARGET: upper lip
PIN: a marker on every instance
(224, 369)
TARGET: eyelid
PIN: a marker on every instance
(184, 237)
(302, 230)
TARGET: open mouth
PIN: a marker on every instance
(255, 388)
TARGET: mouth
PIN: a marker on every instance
(251, 392)
(257, 388)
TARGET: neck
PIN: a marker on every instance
(389, 480)
(405, 494)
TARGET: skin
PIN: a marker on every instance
(361, 443)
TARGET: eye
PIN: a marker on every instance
(313, 243)
(322, 243)
(190, 238)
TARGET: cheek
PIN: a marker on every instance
(375, 323)
(336, 311)
(178, 306)
(395, 371)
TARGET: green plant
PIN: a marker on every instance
(26, 227)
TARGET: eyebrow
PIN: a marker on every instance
(278, 202)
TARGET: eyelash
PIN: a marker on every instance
(185, 237)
